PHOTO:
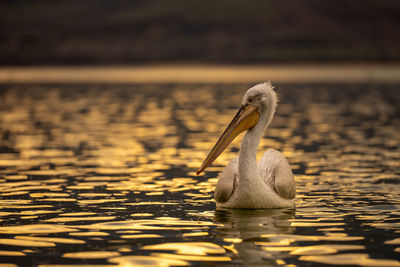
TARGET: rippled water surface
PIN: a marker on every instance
(103, 175)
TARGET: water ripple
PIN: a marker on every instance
(103, 175)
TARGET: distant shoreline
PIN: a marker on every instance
(310, 73)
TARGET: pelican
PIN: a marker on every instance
(244, 183)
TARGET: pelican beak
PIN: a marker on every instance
(245, 119)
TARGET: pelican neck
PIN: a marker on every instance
(248, 155)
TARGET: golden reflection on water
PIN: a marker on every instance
(350, 259)
(91, 254)
(104, 176)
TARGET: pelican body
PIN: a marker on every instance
(244, 183)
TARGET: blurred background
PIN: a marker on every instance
(107, 108)
(48, 32)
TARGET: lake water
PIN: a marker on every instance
(103, 175)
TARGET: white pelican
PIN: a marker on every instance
(243, 183)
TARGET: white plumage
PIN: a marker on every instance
(244, 183)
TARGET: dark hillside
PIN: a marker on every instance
(225, 31)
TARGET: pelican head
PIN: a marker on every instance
(255, 114)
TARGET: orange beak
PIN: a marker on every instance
(245, 119)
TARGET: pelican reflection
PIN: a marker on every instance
(244, 227)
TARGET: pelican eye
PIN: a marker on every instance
(251, 99)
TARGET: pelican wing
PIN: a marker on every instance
(275, 170)
(227, 182)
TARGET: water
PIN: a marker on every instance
(103, 175)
